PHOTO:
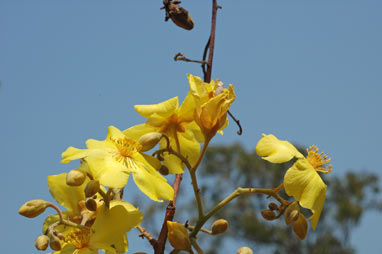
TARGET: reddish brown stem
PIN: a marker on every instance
(170, 212)
(211, 42)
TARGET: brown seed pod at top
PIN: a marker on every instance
(178, 14)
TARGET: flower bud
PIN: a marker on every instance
(149, 140)
(33, 208)
(75, 178)
(41, 242)
(268, 214)
(91, 188)
(178, 236)
(273, 206)
(91, 204)
(219, 226)
(164, 170)
(55, 243)
(292, 213)
(244, 250)
(300, 227)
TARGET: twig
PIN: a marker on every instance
(240, 131)
(147, 235)
(181, 57)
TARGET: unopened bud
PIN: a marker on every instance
(300, 227)
(91, 204)
(164, 170)
(41, 242)
(178, 236)
(55, 243)
(219, 226)
(244, 250)
(273, 206)
(268, 214)
(91, 188)
(33, 208)
(292, 213)
(149, 140)
(75, 178)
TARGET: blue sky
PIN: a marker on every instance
(307, 71)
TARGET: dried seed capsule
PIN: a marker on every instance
(91, 188)
(75, 178)
(268, 214)
(219, 226)
(33, 208)
(41, 242)
(180, 16)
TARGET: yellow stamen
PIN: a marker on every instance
(318, 160)
(126, 147)
(80, 239)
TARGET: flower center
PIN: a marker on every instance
(318, 160)
(126, 147)
(173, 123)
(80, 239)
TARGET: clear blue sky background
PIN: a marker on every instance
(307, 71)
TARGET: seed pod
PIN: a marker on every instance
(244, 250)
(41, 242)
(268, 214)
(292, 213)
(180, 16)
(91, 204)
(91, 188)
(273, 206)
(75, 178)
(33, 208)
(219, 226)
(149, 140)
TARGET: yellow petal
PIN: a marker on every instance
(198, 89)
(303, 183)
(138, 131)
(64, 194)
(275, 150)
(163, 109)
(150, 182)
(73, 153)
(107, 170)
(113, 223)
(186, 110)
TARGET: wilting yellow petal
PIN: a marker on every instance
(113, 223)
(303, 183)
(64, 194)
(163, 109)
(277, 151)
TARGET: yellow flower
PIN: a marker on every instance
(212, 103)
(107, 232)
(111, 161)
(301, 180)
(178, 124)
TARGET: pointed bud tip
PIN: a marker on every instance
(33, 208)
(41, 242)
